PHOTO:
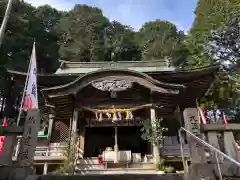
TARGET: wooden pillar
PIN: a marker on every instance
(191, 120)
(45, 168)
(82, 140)
(116, 144)
(50, 125)
(74, 126)
(155, 146)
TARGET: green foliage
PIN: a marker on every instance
(82, 34)
(161, 165)
(25, 25)
(120, 43)
(153, 131)
(68, 166)
(205, 41)
(160, 39)
(210, 16)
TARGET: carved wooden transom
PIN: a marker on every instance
(116, 84)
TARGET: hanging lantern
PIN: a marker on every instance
(96, 115)
(114, 117)
(108, 115)
(130, 115)
(100, 117)
(119, 116)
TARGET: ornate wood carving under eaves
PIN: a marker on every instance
(111, 85)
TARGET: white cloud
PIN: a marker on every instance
(58, 4)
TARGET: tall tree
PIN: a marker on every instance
(18, 40)
(210, 15)
(159, 39)
(120, 44)
(44, 31)
(223, 47)
(82, 31)
(27, 24)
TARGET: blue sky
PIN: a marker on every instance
(135, 12)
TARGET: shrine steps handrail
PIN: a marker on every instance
(212, 148)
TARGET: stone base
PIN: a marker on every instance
(201, 171)
(230, 170)
(17, 173)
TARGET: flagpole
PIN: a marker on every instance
(24, 90)
(199, 117)
(5, 20)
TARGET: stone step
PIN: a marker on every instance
(115, 177)
(117, 171)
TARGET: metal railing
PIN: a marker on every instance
(204, 143)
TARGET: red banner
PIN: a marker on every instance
(2, 138)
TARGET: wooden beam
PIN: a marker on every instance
(219, 127)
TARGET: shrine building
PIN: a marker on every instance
(102, 105)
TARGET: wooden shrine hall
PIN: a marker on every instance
(102, 106)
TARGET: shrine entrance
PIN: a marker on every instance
(98, 139)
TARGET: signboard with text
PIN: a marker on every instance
(29, 139)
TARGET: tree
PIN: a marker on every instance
(160, 39)
(224, 44)
(223, 47)
(27, 24)
(17, 43)
(82, 34)
(153, 132)
(44, 30)
(120, 44)
(209, 16)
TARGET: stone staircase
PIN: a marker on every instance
(118, 171)
(114, 177)
(91, 166)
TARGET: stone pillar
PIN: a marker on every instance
(229, 145)
(25, 158)
(213, 140)
(155, 146)
(199, 169)
(191, 120)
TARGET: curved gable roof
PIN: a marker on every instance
(141, 78)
